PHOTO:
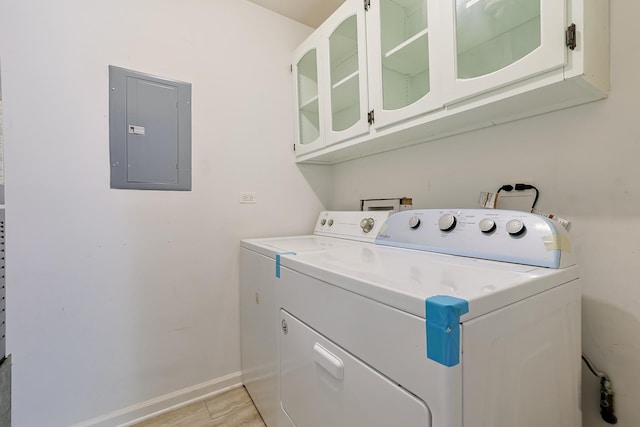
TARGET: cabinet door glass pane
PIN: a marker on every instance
(404, 41)
(345, 76)
(492, 34)
(308, 113)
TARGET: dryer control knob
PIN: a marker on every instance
(487, 225)
(367, 224)
(447, 222)
(515, 227)
(414, 222)
(330, 222)
(323, 221)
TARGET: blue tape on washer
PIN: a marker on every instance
(443, 328)
(278, 261)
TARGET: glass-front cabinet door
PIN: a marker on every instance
(498, 42)
(404, 42)
(308, 98)
(344, 34)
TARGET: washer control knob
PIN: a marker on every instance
(367, 224)
(515, 227)
(323, 221)
(447, 222)
(330, 222)
(487, 225)
(414, 222)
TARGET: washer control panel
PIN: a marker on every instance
(354, 225)
(500, 235)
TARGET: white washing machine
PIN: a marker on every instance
(258, 309)
(455, 318)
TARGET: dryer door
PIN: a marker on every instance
(323, 385)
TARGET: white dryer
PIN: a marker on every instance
(259, 271)
(455, 318)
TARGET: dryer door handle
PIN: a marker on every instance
(328, 361)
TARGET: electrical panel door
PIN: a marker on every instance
(150, 131)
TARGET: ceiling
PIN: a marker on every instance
(308, 12)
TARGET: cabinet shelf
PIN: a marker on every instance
(344, 69)
(310, 105)
(345, 93)
(353, 75)
(411, 56)
(406, 42)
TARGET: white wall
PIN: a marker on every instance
(116, 297)
(584, 160)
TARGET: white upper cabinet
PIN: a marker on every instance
(403, 41)
(310, 110)
(344, 36)
(385, 74)
(499, 42)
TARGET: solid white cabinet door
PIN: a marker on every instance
(499, 42)
(346, 90)
(310, 106)
(404, 41)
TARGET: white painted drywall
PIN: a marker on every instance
(584, 160)
(114, 296)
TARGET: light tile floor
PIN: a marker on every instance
(231, 409)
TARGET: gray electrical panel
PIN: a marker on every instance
(149, 131)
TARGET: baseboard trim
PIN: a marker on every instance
(151, 408)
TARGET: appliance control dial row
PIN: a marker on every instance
(447, 222)
(367, 224)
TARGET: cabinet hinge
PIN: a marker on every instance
(370, 117)
(570, 36)
(294, 147)
(367, 5)
(291, 68)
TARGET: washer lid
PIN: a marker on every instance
(271, 246)
(405, 278)
(333, 229)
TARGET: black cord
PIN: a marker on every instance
(521, 187)
(592, 368)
